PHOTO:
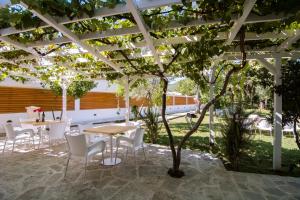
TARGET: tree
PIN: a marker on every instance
(187, 87)
(200, 54)
(290, 92)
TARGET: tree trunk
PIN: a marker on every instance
(174, 171)
(296, 135)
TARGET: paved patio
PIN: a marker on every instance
(39, 175)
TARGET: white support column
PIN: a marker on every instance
(64, 99)
(276, 71)
(77, 104)
(127, 101)
(211, 109)
(64, 103)
(277, 118)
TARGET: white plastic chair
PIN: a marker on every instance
(248, 124)
(28, 126)
(15, 135)
(264, 125)
(288, 128)
(78, 148)
(131, 133)
(68, 124)
(135, 143)
(56, 131)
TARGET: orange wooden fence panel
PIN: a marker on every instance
(191, 100)
(100, 100)
(14, 100)
(180, 101)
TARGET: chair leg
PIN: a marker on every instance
(144, 152)
(33, 142)
(116, 154)
(134, 155)
(4, 145)
(103, 158)
(13, 146)
(67, 167)
(260, 134)
(40, 141)
(49, 143)
(126, 153)
(85, 166)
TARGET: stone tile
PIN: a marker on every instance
(273, 191)
(32, 194)
(39, 175)
(252, 196)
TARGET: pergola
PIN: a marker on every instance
(262, 55)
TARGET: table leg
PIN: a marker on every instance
(110, 161)
(111, 148)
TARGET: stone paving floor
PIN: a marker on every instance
(38, 174)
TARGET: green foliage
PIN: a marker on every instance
(120, 91)
(76, 89)
(187, 87)
(149, 89)
(235, 136)
(290, 92)
(151, 118)
(135, 112)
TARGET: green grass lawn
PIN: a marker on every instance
(257, 158)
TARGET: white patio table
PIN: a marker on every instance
(109, 130)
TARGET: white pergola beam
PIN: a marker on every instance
(143, 28)
(156, 42)
(3, 60)
(288, 43)
(122, 8)
(264, 56)
(254, 57)
(248, 5)
(267, 65)
(18, 45)
(61, 28)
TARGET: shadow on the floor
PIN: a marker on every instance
(257, 158)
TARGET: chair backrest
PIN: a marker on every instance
(288, 126)
(264, 124)
(68, 124)
(57, 130)
(139, 137)
(248, 123)
(28, 126)
(130, 133)
(77, 144)
(9, 130)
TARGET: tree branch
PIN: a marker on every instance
(222, 92)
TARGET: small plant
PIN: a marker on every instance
(235, 136)
(135, 112)
(151, 119)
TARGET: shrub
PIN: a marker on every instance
(235, 136)
(135, 112)
(151, 119)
